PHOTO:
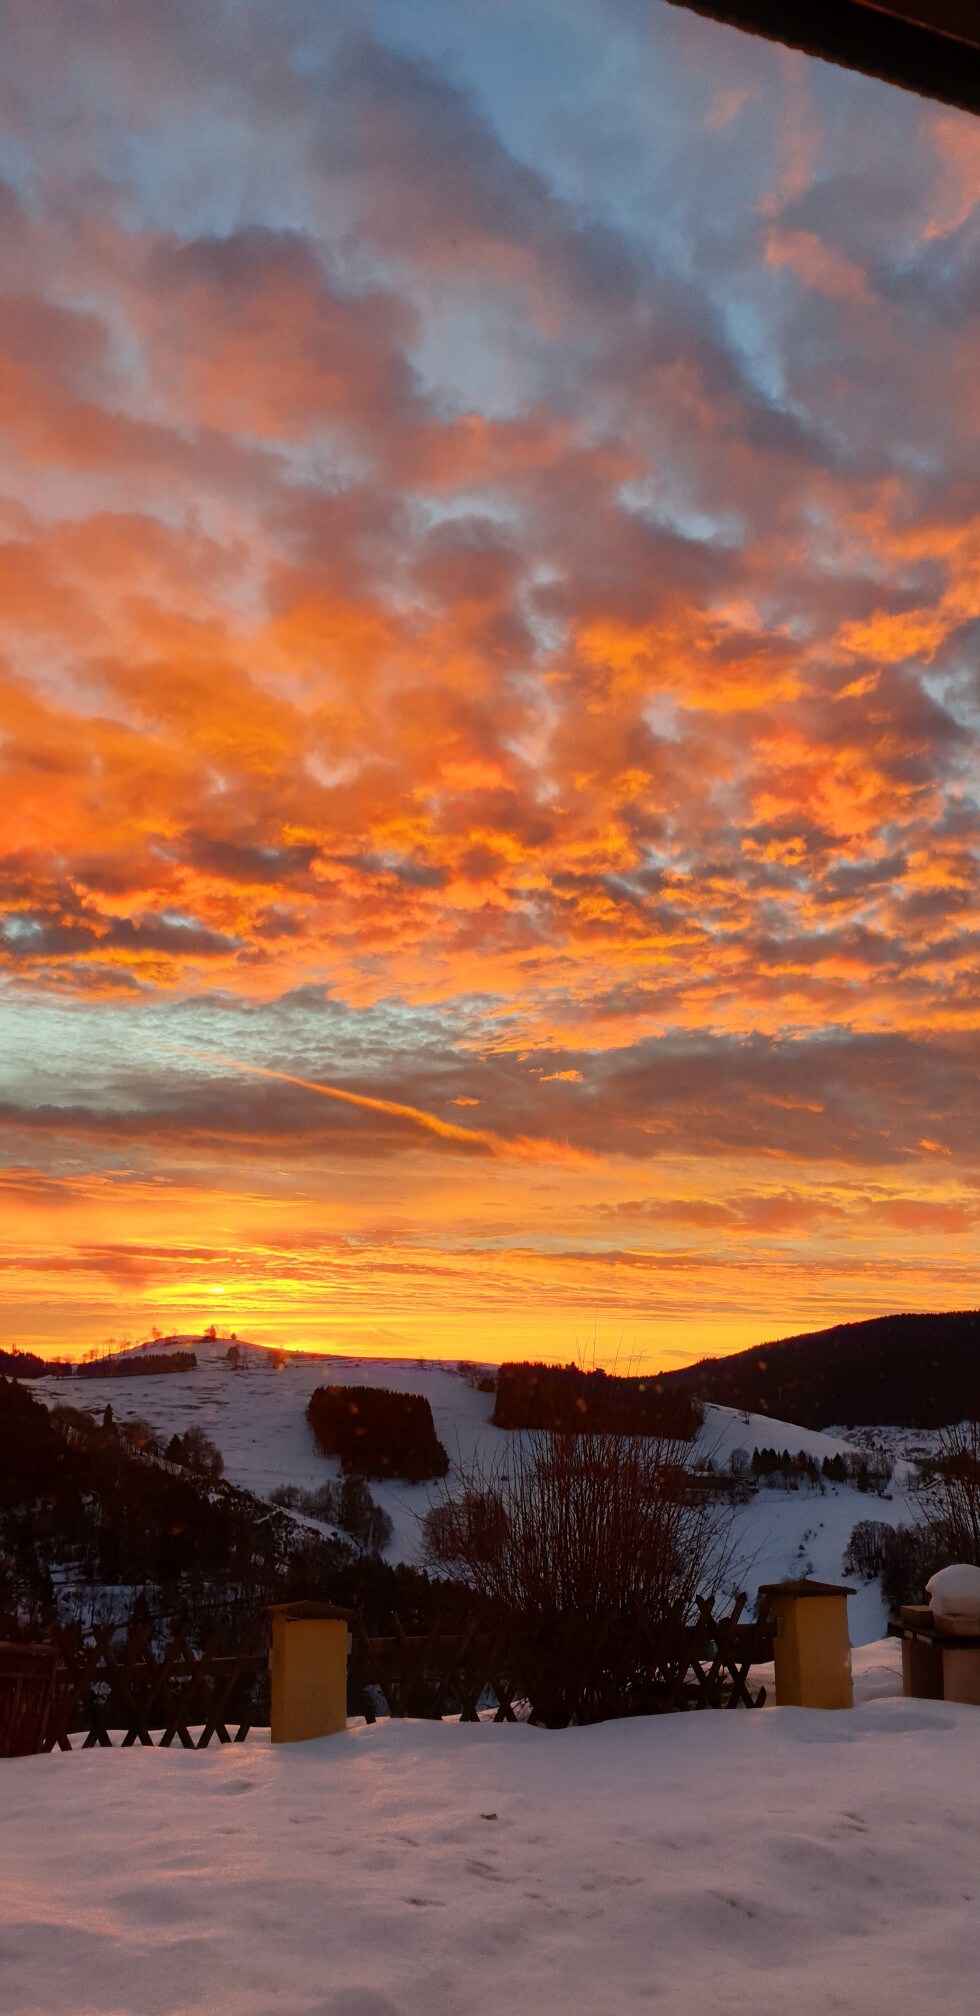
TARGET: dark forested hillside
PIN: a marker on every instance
(911, 1371)
(93, 1526)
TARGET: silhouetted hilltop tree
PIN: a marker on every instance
(377, 1433)
(564, 1398)
(911, 1371)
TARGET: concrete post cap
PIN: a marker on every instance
(309, 1613)
(805, 1587)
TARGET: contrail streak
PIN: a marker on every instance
(430, 1123)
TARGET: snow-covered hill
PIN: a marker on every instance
(256, 1415)
(744, 1863)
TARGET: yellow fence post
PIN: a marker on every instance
(811, 1644)
(308, 1671)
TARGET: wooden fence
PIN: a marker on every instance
(560, 1672)
(103, 1687)
(28, 1679)
(109, 1689)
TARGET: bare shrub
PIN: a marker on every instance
(347, 1504)
(197, 1452)
(287, 1496)
(140, 1436)
(479, 1378)
(599, 1526)
(954, 1500)
(74, 1426)
(359, 1515)
(947, 1529)
(866, 1549)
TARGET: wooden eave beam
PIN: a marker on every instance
(928, 46)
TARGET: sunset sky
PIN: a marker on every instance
(489, 641)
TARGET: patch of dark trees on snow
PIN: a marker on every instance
(347, 1504)
(377, 1433)
(96, 1526)
(914, 1371)
(787, 1471)
(479, 1378)
(137, 1366)
(564, 1398)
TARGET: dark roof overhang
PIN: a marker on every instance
(928, 46)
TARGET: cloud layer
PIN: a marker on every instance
(490, 624)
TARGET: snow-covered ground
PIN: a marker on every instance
(257, 1417)
(743, 1864)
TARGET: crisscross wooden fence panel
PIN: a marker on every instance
(561, 1672)
(104, 1688)
(28, 1675)
(110, 1690)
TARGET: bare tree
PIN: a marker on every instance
(955, 1494)
(140, 1436)
(596, 1526)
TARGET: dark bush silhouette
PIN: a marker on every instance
(347, 1504)
(954, 1495)
(603, 1527)
(139, 1436)
(196, 1452)
(377, 1433)
(564, 1398)
(479, 1378)
(903, 1556)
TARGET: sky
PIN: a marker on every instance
(489, 642)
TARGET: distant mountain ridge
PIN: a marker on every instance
(910, 1371)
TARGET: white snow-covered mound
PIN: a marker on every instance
(256, 1415)
(741, 1864)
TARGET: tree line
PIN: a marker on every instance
(564, 1398)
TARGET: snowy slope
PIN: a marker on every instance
(706, 1865)
(257, 1418)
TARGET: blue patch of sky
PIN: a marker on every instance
(757, 345)
(17, 166)
(107, 1047)
(518, 59)
(429, 512)
(651, 500)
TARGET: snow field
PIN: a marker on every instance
(257, 1419)
(745, 1864)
